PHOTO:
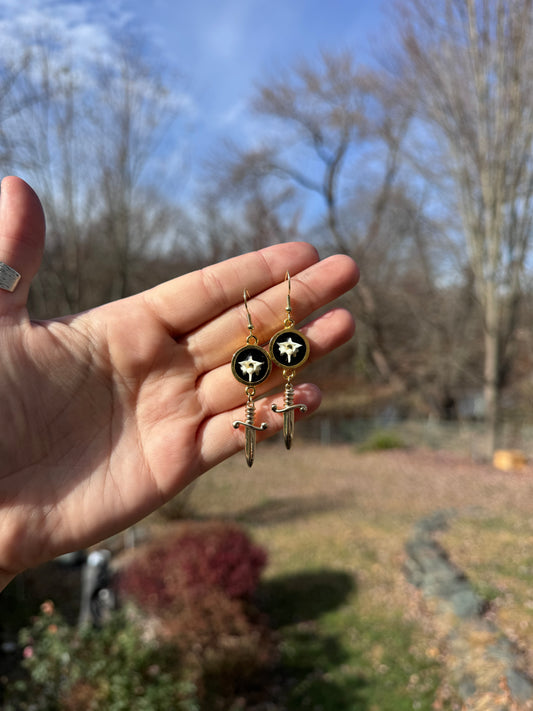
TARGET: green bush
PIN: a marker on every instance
(382, 440)
(113, 668)
(207, 643)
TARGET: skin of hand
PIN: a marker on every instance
(108, 414)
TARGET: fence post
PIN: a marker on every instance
(97, 599)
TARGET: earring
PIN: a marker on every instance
(289, 349)
(250, 365)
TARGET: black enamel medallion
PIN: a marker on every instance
(251, 365)
(289, 348)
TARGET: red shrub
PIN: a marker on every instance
(200, 558)
(222, 644)
(199, 583)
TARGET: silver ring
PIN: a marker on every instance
(9, 278)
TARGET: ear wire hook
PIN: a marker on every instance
(288, 323)
(251, 337)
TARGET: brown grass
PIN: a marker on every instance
(328, 515)
(331, 507)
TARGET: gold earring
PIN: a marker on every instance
(289, 349)
(250, 365)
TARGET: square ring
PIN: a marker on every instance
(9, 278)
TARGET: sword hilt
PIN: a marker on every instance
(289, 403)
(250, 418)
(288, 412)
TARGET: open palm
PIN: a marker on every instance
(107, 414)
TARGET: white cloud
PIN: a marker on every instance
(68, 23)
(217, 50)
(234, 113)
(80, 33)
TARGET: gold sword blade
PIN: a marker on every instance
(288, 420)
(249, 446)
(288, 427)
(249, 438)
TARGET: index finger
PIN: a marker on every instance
(187, 302)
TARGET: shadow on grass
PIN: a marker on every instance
(314, 669)
(289, 508)
(305, 596)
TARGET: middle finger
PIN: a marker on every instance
(214, 343)
(219, 391)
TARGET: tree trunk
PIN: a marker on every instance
(491, 387)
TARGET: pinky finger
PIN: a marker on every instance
(220, 439)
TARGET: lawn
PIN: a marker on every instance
(335, 522)
(354, 635)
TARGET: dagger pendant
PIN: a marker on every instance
(250, 431)
(288, 413)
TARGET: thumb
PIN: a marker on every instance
(22, 228)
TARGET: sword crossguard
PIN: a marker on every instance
(262, 426)
(288, 408)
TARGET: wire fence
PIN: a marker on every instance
(465, 437)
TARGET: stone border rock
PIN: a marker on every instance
(482, 662)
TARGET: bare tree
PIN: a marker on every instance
(138, 112)
(338, 123)
(87, 142)
(331, 112)
(242, 207)
(16, 96)
(343, 129)
(417, 329)
(338, 148)
(470, 65)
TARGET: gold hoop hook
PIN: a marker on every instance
(246, 296)
(251, 338)
(288, 321)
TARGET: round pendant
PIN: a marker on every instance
(289, 348)
(251, 365)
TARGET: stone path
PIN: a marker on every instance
(482, 663)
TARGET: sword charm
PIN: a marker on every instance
(289, 349)
(250, 428)
(250, 365)
(288, 412)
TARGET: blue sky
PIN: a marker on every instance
(217, 49)
(222, 47)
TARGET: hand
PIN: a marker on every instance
(108, 414)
